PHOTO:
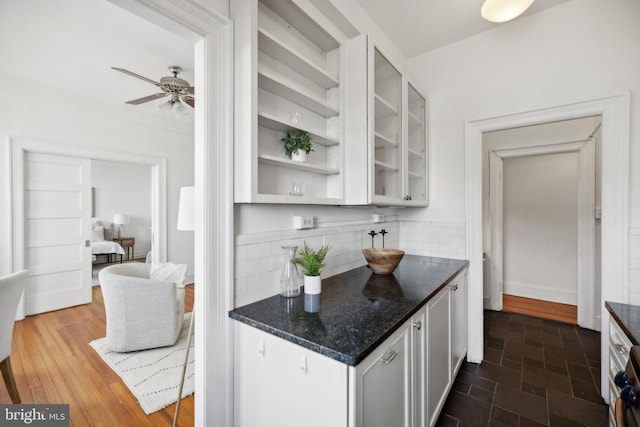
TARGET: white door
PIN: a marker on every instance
(57, 215)
(494, 263)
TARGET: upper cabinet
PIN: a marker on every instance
(416, 153)
(297, 71)
(287, 79)
(386, 128)
(386, 139)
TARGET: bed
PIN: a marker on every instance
(102, 246)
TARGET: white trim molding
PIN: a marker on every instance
(212, 35)
(615, 112)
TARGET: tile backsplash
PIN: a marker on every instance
(259, 257)
(434, 238)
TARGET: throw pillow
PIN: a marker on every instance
(97, 234)
(169, 272)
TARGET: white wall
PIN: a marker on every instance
(58, 117)
(124, 188)
(540, 227)
(579, 50)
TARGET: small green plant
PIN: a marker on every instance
(311, 260)
(295, 140)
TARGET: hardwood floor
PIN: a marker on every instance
(543, 309)
(53, 363)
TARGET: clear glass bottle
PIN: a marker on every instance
(290, 278)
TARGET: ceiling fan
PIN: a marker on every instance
(174, 87)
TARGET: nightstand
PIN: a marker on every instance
(127, 243)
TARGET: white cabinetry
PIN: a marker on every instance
(404, 382)
(416, 178)
(438, 353)
(383, 384)
(288, 69)
(458, 321)
(619, 348)
(278, 383)
(387, 125)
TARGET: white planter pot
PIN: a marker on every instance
(299, 156)
(312, 285)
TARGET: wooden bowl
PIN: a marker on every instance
(383, 261)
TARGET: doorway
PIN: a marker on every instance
(615, 112)
(540, 208)
(22, 149)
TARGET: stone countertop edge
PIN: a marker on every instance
(356, 356)
(628, 317)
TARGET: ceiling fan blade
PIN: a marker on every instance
(191, 90)
(189, 101)
(122, 70)
(146, 99)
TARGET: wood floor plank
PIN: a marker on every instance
(53, 363)
(544, 309)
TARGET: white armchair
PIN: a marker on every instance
(141, 313)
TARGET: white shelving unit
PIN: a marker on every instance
(416, 157)
(395, 131)
(288, 57)
(387, 120)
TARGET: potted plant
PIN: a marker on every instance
(312, 261)
(297, 144)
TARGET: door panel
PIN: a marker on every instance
(57, 227)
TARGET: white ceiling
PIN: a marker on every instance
(70, 45)
(417, 26)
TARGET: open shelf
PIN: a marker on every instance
(272, 122)
(278, 50)
(303, 23)
(383, 141)
(267, 159)
(386, 166)
(295, 93)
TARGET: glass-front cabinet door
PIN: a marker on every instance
(387, 131)
(416, 170)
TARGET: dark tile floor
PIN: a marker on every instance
(535, 372)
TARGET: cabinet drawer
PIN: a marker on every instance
(619, 347)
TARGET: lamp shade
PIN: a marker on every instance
(121, 219)
(186, 209)
(503, 10)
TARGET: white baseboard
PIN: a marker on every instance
(541, 293)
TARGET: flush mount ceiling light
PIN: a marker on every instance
(503, 10)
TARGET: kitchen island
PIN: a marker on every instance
(370, 351)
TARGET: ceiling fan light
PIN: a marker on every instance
(167, 107)
(179, 110)
(504, 10)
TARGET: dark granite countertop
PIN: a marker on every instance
(628, 317)
(358, 310)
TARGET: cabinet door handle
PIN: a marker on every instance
(389, 356)
(621, 349)
(417, 325)
(454, 287)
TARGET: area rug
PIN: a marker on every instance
(153, 376)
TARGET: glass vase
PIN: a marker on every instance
(290, 278)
